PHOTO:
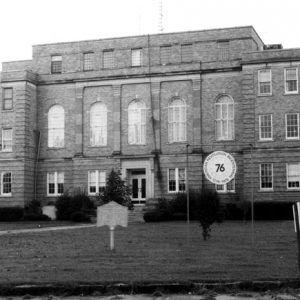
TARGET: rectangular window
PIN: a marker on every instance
(265, 127)
(223, 50)
(226, 188)
(264, 82)
(266, 176)
(7, 139)
(88, 60)
(108, 59)
(165, 55)
(136, 57)
(56, 64)
(96, 182)
(293, 176)
(7, 99)
(291, 80)
(6, 184)
(55, 183)
(176, 180)
(292, 126)
(187, 53)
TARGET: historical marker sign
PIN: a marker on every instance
(111, 215)
(219, 167)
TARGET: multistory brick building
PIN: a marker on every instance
(151, 106)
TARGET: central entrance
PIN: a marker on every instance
(138, 186)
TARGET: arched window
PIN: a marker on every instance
(98, 125)
(177, 121)
(137, 122)
(56, 127)
(224, 118)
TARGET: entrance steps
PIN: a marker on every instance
(136, 215)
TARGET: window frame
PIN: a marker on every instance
(180, 125)
(176, 180)
(102, 128)
(260, 178)
(88, 62)
(5, 99)
(184, 48)
(286, 127)
(140, 60)
(141, 125)
(98, 183)
(260, 127)
(2, 140)
(287, 176)
(259, 81)
(285, 81)
(56, 177)
(2, 194)
(228, 120)
(56, 65)
(161, 57)
(108, 64)
(51, 136)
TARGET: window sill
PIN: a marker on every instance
(265, 140)
(293, 189)
(291, 139)
(100, 146)
(7, 110)
(5, 196)
(6, 151)
(290, 93)
(225, 140)
(264, 95)
(54, 195)
(179, 142)
(55, 148)
(227, 192)
(266, 191)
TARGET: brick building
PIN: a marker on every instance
(146, 104)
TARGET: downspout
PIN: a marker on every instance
(201, 124)
(38, 135)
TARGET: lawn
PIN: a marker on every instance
(151, 252)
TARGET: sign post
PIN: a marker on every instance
(111, 215)
(296, 214)
(219, 167)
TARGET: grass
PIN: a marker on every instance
(151, 252)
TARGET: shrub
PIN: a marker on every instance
(35, 217)
(156, 216)
(10, 214)
(33, 207)
(80, 216)
(62, 205)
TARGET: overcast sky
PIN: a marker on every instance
(24, 23)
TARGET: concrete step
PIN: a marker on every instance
(136, 215)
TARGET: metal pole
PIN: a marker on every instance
(112, 239)
(187, 186)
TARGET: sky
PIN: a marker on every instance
(24, 23)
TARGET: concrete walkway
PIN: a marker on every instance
(34, 230)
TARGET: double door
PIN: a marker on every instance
(138, 185)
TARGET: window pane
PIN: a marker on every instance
(56, 64)
(265, 122)
(7, 139)
(98, 125)
(293, 175)
(6, 183)
(88, 61)
(186, 53)
(165, 55)
(56, 124)
(292, 126)
(177, 121)
(108, 59)
(266, 176)
(136, 57)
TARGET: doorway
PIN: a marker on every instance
(138, 185)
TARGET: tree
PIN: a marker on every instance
(116, 190)
(208, 211)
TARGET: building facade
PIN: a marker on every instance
(152, 107)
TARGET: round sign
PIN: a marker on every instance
(219, 167)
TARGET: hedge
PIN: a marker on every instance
(10, 214)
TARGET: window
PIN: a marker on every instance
(98, 125)
(108, 59)
(88, 59)
(264, 82)
(177, 121)
(136, 57)
(225, 118)
(5, 184)
(291, 80)
(136, 123)
(176, 180)
(265, 127)
(55, 182)
(226, 188)
(56, 64)
(7, 139)
(56, 127)
(97, 182)
(165, 55)
(266, 176)
(293, 176)
(292, 126)
(7, 98)
(187, 53)
(223, 50)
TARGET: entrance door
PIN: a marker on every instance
(138, 185)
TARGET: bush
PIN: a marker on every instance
(62, 205)
(80, 216)
(35, 217)
(10, 214)
(156, 216)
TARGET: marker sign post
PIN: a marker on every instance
(111, 215)
(296, 214)
(219, 167)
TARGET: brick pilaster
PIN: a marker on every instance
(117, 119)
